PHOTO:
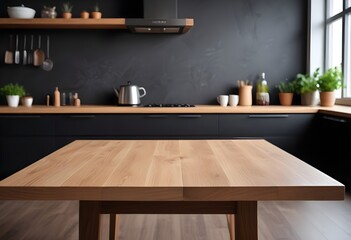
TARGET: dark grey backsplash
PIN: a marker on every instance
(231, 40)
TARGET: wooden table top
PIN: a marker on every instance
(170, 170)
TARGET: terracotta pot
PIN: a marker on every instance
(84, 15)
(327, 99)
(286, 98)
(67, 15)
(96, 15)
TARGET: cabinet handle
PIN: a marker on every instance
(269, 116)
(334, 119)
(189, 116)
(20, 117)
(82, 116)
(156, 116)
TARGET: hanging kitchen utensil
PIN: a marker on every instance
(47, 64)
(39, 55)
(17, 53)
(24, 50)
(9, 53)
(30, 52)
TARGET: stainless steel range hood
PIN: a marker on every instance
(160, 16)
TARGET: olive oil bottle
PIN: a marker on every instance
(262, 91)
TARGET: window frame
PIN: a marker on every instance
(345, 48)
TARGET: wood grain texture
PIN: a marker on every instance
(290, 220)
(246, 221)
(337, 110)
(171, 170)
(61, 23)
(96, 109)
(89, 220)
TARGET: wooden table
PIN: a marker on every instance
(170, 176)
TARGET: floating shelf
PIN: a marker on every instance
(61, 23)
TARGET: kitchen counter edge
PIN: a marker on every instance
(337, 110)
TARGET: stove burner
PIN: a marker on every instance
(169, 105)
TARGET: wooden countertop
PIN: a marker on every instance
(170, 170)
(338, 110)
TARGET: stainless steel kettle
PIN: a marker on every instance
(129, 94)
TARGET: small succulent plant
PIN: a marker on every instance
(96, 8)
(67, 7)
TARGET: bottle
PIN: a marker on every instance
(262, 93)
(56, 97)
(70, 98)
(76, 100)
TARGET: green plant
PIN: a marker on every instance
(12, 89)
(305, 83)
(96, 8)
(67, 7)
(330, 80)
(287, 87)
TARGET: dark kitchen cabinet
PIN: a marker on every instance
(24, 139)
(27, 138)
(134, 126)
(334, 147)
(295, 133)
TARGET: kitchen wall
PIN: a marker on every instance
(231, 40)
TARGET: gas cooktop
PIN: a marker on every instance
(169, 105)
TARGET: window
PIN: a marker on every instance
(338, 40)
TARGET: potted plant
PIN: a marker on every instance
(67, 10)
(307, 86)
(13, 92)
(96, 14)
(330, 81)
(286, 92)
(84, 14)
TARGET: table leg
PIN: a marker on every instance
(114, 226)
(246, 220)
(231, 226)
(89, 220)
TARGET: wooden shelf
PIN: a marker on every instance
(61, 23)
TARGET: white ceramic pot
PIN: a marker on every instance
(20, 12)
(12, 100)
(310, 99)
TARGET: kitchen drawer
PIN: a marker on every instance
(264, 125)
(142, 125)
(26, 125)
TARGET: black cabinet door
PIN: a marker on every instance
(295, 133)
(17, 152)
(138, 125)
(24, 140)
(264, 125)
(26, 125)
(333, 149)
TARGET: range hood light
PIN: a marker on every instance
(156, 29)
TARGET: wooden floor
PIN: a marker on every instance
(308, 220)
